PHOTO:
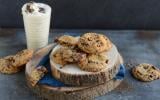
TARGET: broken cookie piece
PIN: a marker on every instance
(67, 40)
(93, 62)
(14, 63)
(36, 74)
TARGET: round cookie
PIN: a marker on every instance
(93, 62)
(67, 40)
(94, 43)
(146, 72)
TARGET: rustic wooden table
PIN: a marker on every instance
(135, 46)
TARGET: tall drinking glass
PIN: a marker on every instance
(37, 25)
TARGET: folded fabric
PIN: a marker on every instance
(48, 79)
(121, 73)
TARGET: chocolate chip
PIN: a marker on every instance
(29, 9)
(85, 44)
(153, 67)
(151, 76)
(89, 61)
(97, 40)
(41, 10)
(106, 61)
(89, 39)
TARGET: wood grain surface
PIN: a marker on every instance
(70, 93)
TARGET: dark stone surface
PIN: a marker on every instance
(135, 46)
(102, 14)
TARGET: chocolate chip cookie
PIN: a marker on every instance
(65, 55)
(36, 74)
(14, 63)
(67, 40)
(146, 72)
(93, 62)
(94, 43)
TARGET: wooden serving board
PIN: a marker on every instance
(71, 74)
(66, 93)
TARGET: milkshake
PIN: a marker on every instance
(36, 17)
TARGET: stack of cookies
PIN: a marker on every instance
(86, 60)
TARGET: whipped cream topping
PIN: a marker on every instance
(34, 8)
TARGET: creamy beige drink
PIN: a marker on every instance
(36, 17)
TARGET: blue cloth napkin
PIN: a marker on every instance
(48, 79)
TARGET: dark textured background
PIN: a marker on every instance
(101, 14)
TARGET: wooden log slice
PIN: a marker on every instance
(71, 74)
(74, 93)
(66, 93)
